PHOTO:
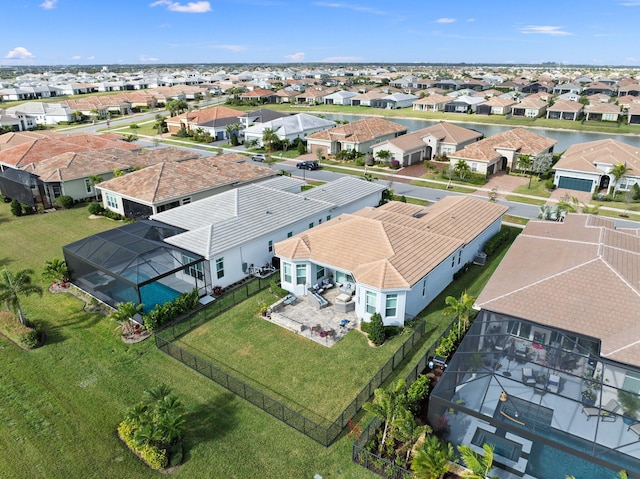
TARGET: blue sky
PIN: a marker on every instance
(52, 32)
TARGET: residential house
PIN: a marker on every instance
(565, 110)
(417, 252)
(314, 95)
(407, 81)
(631, 89)
(214, 120)
(10, 121)
(496, 106)
(463, 104)
(587, 166)
(433, 102)
(502, 150)
(367, 98)
(341, 97)
(602, 112)
(260, 116)
(428, 143)
(238, 229)
(394, 101)
(41, 113)
(357, 136)
(563, 88)
(599, 88)
(546, 364)
(287, 95)
(289, 127)
(260, 95)
(529, 108)
(633, 115)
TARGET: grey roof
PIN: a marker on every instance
(291, 125)
(284, 183)
(224, 221)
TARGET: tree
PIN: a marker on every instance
(376, 329)
(479, 465)
(434, 459)
(461, 308)
(14, 286)
(232, 132)
(269, 137)
(461, 169)
(93, 181)
(384, 155)
(407, 430)
(16, 207)
(385, 405)
(175, 105)
(618, 172)
(56, 270)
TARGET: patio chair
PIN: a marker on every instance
(608, 411)
(553, 385)
(635, 428)
(527, 377)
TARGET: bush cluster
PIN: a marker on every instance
(152, 455)
(95, 209)
(31, 338)
(164, 313)
(494, 243)
(64, 201)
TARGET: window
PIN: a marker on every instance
(186, 201)
(310, 225)
(87, 183)
(194, 270)
(289, 234)
(270, 247)
(286, 268)
(632, 382)
(328, 217)
(220, 268)
(319, 271)
(424, 287)
(112, 201)
(459, 256)
(453, 261)
(370, 302)
(391, 306)
(301, 274)
(320, 221)
(474, 166)
(522, 330)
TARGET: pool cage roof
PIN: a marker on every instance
(135, 253)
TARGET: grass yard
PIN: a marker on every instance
(61, 403)
(524, 199)
(307, 377)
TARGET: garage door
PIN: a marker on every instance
(578, 184)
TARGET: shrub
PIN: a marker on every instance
(376, 329)
(301, 148)
(95, 209)
(134, 126)
(395, 164)
(30, 339)
(16, 208)
(359, 162)
(164, 313)
(418, 392)
(493, 244)
(276, 289)
(64, 201)
(27, 210)
(154, 456)
(548, 184)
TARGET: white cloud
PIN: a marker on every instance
(543, 30)
(76, 57)
(144, 58)
(445, 20)
(295, 57)
(91, 57)
(351, 6)
(630, 4)
(471, 20)
(19, 53)
(190, 7)
(48, 4)
(342, 59)
(232, 48)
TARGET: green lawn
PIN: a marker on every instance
(305, 376)
(538, 188)
(524, 199)
(61, 403)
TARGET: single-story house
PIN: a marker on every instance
(529, 108)
(633, 115)
(394, 101)
(549, 359)
(260, 116)
(587, 166)
(563, 88)
(414, 253)
(367, 98)
(260, 95)
(237, 230)
(463, 104)
(42, 113)
(565, 110)
(496, 106)
(433, 102)
(214, 120)
(341, 97)
(427, 143)
(290, 127)
(359, 135)
(174, 182)
(500, 151)
(602, 112)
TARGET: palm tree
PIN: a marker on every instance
(618, 172)
(14, 286)
(461, 308)
(407, 430)
(461, 169)
(385, 405)
(56, 270)
(433, 460)
(157, 393)
(269, 136)
(93, 181)
(479, 465)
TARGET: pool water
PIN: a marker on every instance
(546, 462)
(151, 295)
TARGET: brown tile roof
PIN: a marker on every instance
(522, 140)
(359, 131)
(444, 132)
(168, 180)
(566, 105)
(580, 275)
(584, 156)
(205, 115)
(602, 108)
(14, 138)
(434, 99)
(43, 148)
(409, 240)
(258, 93)
(533, 103)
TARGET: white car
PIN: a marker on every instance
(259, 157)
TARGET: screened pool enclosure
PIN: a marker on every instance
(133, 263)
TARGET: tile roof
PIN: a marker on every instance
(359, 131)
(409, 240)
(566, 105)
(588, 282)
(171, 179)
(206, 115)
(522, 140)
(443, 132)
(14, 138)
(584, 156)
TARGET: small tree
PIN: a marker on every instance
(376, 329)
(461, 308)
(386, 404)
(16, 208)
(93, 181)
(434, 459)
(479, 465)
(269, 137)
(618, 172)
(461, 169)
(56, 270)
(14, 286)
(384, 155)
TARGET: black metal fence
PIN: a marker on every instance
(322, 432)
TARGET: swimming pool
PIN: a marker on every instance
(151, 295)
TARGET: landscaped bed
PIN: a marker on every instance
(307, 377)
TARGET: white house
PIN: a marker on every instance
(43, 113)
(289, 127)
(394, 259)
(341, 97)
(238, 229)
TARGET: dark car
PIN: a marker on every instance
(259, 157)
(308, 165)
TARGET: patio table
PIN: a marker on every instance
(342, 297)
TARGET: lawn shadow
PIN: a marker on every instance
(210, 421)
(4, 262)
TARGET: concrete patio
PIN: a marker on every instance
(322, 325)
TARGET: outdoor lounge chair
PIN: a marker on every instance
(635, 428)
(527, 377)
(553, 385)
(607, 413)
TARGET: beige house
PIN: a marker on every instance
(434, 102)
(214, 120)
(565, 110)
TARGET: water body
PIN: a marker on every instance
(565, 138)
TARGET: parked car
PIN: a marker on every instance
(308, 165)
(259, 157)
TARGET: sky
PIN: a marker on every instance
(104, 32)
